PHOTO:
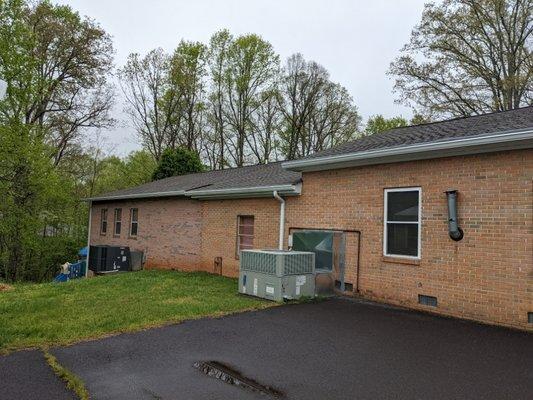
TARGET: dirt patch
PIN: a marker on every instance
(4, 287)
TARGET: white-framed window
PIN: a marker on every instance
(402, 222)
(103, 221)
(134, 221)
(245, 233)
(118, 221)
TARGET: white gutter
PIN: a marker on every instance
(138, 196)
(89, 238)
(281, 218)
(243, 192)
(469, 145)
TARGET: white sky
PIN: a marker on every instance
(355, 40)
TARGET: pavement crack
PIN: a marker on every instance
(72, 381)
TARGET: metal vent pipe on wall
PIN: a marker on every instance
(454, 231)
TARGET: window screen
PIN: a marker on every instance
(118, 220)
(245, 233)
(402, 222)
(134, 223)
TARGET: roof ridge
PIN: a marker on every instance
(457, 118)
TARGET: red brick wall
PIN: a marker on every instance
(169, 231)
(219, 231)
(488, 276)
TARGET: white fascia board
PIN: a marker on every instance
(246, 192)
(455, 147)
(138, 196)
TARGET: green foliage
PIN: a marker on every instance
(34, 315)
(175, 162)
(55, 64)
(378, 123)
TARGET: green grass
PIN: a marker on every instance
(73, 382)
(38, 315)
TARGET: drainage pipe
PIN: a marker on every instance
(89, 238)
(281, 218)
(454, 231)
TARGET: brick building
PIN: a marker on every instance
(386, 195)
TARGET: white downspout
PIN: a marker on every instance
(89, 238)
(281, 218)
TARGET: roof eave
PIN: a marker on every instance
(246, 192)
(137, 196)
(510, 140)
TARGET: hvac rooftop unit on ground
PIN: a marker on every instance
(277, 274)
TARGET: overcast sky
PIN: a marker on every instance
(355, 40)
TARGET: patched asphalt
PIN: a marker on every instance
(25, 375)
(337, 349)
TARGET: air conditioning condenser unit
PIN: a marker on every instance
(277, 274)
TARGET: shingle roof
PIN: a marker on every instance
(518, 119)
(245, 177)
(273, 174)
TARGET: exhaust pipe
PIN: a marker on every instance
(454, 231)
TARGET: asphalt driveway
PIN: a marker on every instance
(338, 349)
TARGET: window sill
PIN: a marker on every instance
(116, 236)
(400, 260)
(132, 237)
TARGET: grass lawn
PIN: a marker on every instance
(34, 315)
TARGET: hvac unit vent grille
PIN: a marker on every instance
(258, 262)
(277, 263)
(298, 264)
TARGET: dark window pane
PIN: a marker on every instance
(134, 214)
(402, 239)
(246, 220)
(103, 226)
(402, 206)
(117, 228)
(133, 229)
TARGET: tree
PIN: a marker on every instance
(217, 61)
(378, 123)
(302, 85)
(179, 161)
(251, 68)
(317, 113)
(468, 57)
(335, 119)
(267, 123)
(59, 71)
(187, 77)
(56, 66)
(153, 104)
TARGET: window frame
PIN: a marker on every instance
(386, 222)
(103, 220)
(115, 221)
(238, 244)
(134, 222)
